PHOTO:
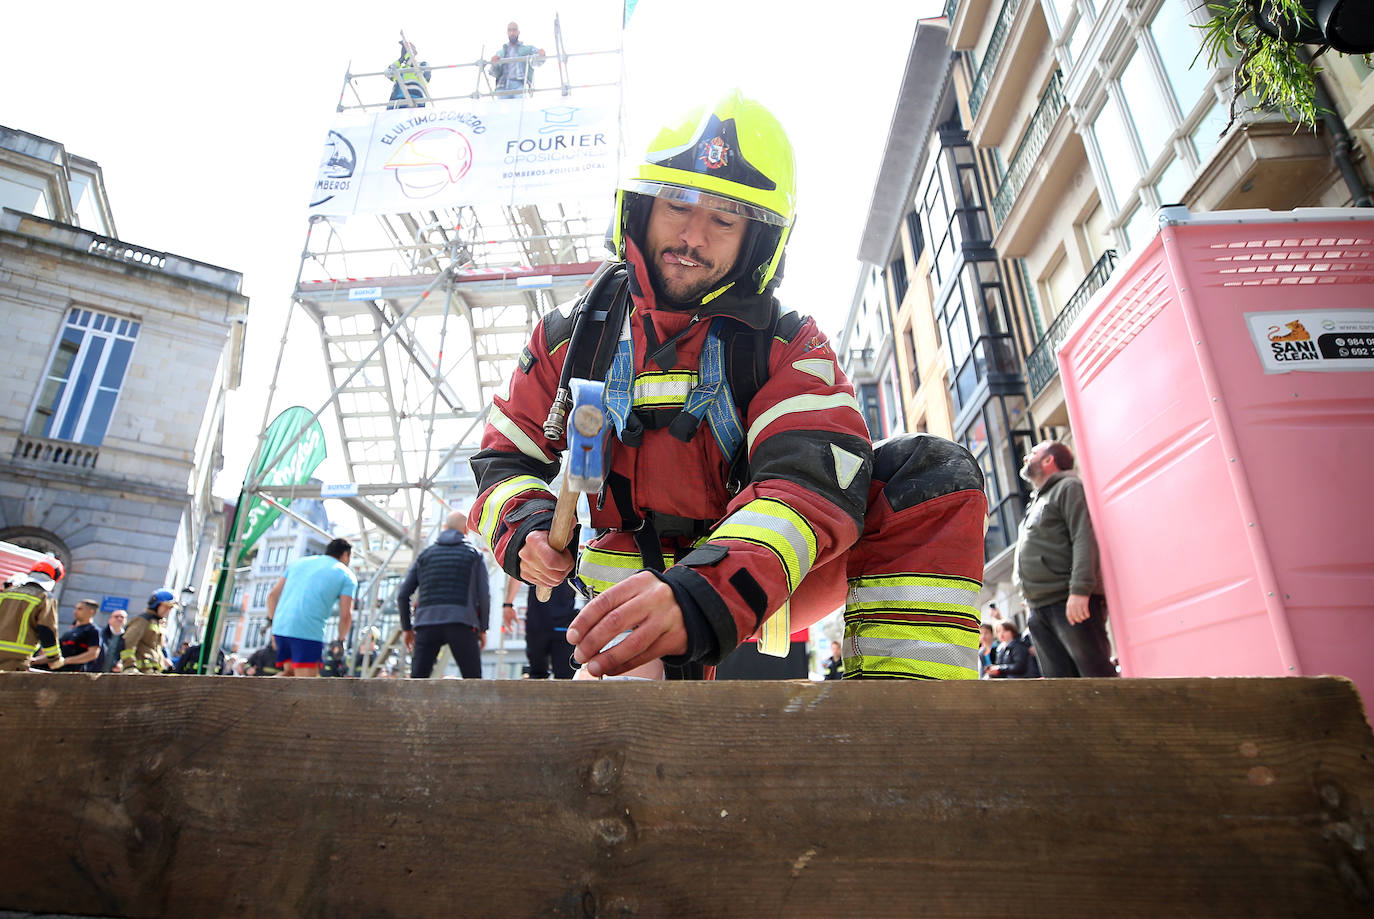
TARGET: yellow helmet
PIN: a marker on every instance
(733, 157)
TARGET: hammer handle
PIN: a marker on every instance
(564, 515)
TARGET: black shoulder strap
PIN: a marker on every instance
(746, 365)
(561, 327)
(592, 328)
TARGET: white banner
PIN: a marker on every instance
(1313, 340)
(475, 152)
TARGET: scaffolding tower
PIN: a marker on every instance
(421, 317)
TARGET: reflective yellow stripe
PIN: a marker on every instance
(771, 523)
(801, 404)
(126, 655)
(663, 390)
(601, 569)
(516, 435)
(916, 626)
(52, 651)
(775, 638)
(22, 636)
(493, 508)
(913, 591)
(15, 647)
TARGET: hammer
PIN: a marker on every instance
(586, 467)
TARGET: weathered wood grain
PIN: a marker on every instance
(211, 796)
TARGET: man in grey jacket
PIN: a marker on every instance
(1057, 569)
(454, 602)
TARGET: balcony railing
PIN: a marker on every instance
(992, 55)
(56, 452)
(1028, 150)
(123, 252)
(1043, 365)
(951, 7)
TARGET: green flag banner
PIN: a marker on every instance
(294, 468)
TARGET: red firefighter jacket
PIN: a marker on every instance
(798, 512)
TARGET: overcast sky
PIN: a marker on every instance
(208, 121)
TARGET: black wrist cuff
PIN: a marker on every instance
(711, 632)
(536, 514)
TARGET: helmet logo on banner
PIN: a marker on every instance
(430, 160)
(713, 153)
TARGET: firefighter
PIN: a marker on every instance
(29, 612)
(690, 558)
(409, 79)
(143, 638)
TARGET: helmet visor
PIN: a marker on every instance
(698, 198)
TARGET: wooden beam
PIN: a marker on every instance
(214, 796)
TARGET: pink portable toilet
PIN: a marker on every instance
(1221, 392)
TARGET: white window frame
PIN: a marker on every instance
(1136, 38)
(123, 329)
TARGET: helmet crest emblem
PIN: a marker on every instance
(713, 153)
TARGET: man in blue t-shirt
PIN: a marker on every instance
(301, 601)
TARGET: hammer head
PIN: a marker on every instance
(587, 429)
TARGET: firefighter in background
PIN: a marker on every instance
(717, 516)
(29, 612)
(409, 79)
(143, 638)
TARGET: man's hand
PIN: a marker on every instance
(408, 636)
(509, 619)
(540, 565)
(56, 663)
(1076, 609)
(482, 640)
(642, 604)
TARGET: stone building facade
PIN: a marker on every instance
(112, 400)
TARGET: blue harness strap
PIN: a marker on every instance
(620, 382)
(711, 399)
(712, 396)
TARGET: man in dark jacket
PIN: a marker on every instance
(1057, 570)
(454, 603)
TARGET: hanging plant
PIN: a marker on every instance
(1268, 37)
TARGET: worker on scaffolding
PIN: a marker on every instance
(513, 66)
(409, 79)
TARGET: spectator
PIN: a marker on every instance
(181, 655)
(546, 630)
(513, 65)
(112, 640)
(300, 602)
(834, 664)
(28, 611)
(454, 602)
(1012, 656)
(409, 79)
(142, 650)
(81, 643)
(368, 647)
(987, 647)
(1056, 568)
